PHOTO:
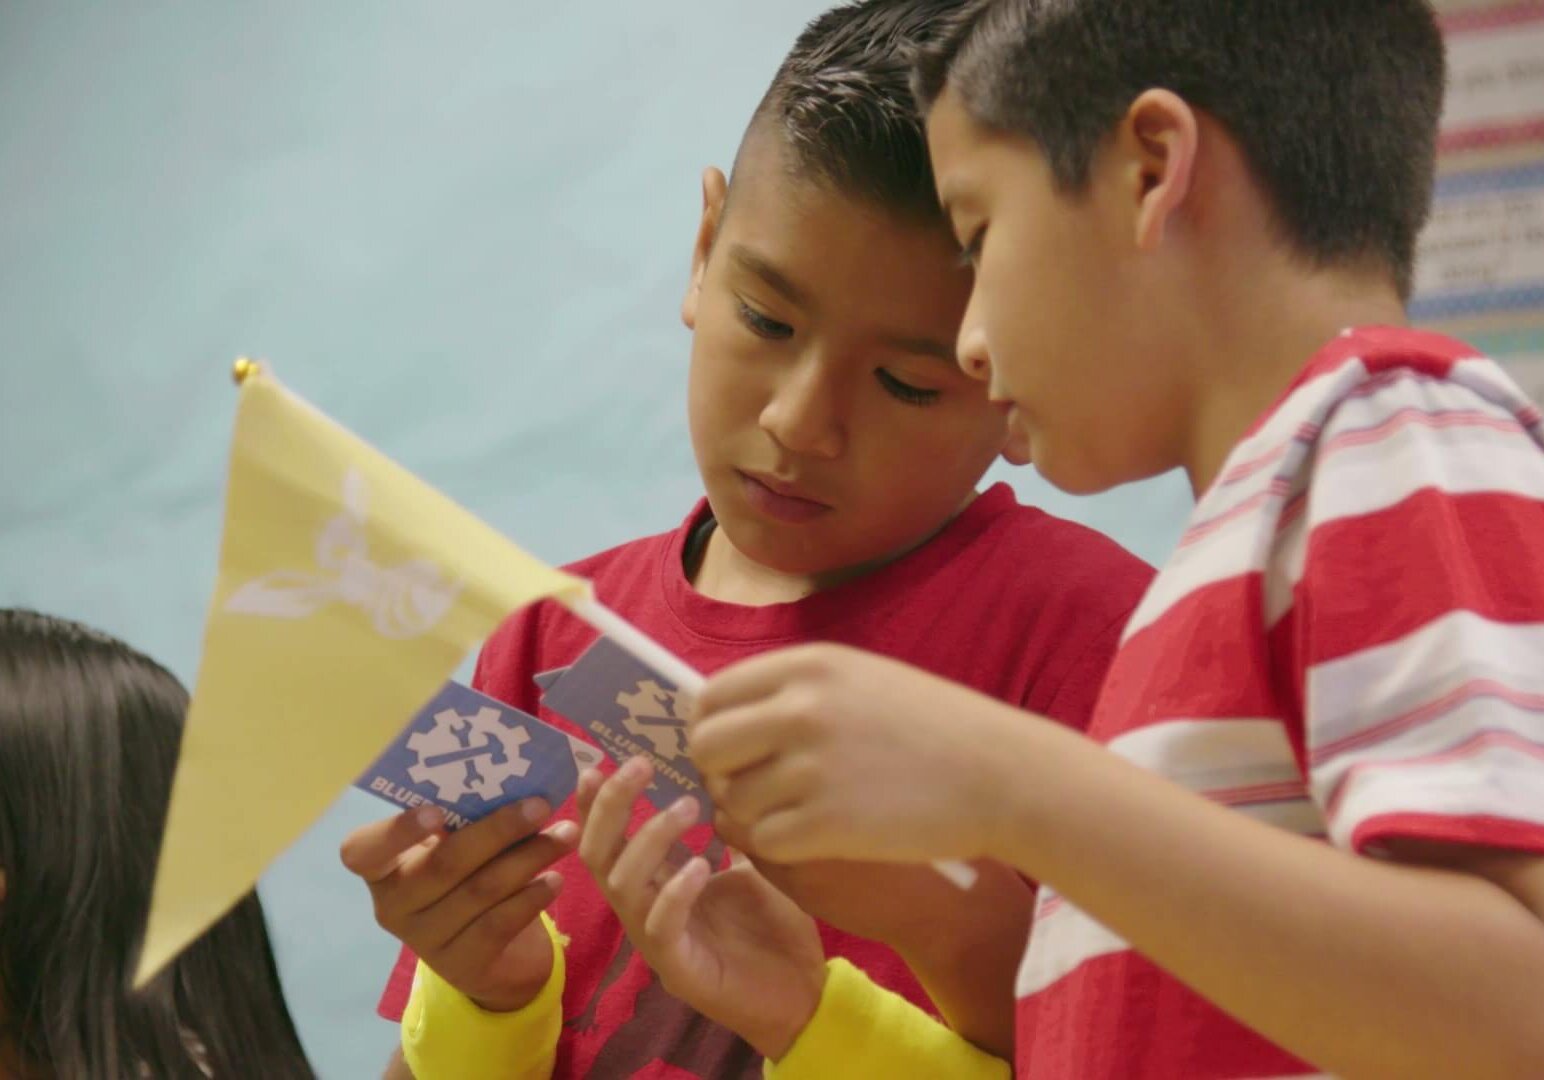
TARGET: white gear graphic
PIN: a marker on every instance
(457, 762)
(651, 715)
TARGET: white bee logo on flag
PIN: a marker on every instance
(402, 601)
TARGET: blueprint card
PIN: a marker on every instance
(469, 755)
(628, 708)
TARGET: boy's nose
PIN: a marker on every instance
(971, 353)
(805, 415)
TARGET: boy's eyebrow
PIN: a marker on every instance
(753, 263)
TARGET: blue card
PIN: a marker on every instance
(628, 708)
(469, 755)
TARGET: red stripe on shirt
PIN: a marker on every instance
(1471, 829)
(1371, 580)
(1227, 677)
(1433, 354)
(1151, 1026)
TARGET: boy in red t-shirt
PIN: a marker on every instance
(1313, 838)
(840, 447)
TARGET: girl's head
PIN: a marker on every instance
(89, 731)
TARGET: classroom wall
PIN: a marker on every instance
(463, 230)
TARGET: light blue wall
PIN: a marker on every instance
(461, 229)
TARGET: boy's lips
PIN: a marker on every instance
(778, 499)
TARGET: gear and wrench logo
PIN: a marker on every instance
(468, 754)
(651, 715)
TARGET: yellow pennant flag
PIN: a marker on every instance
(348, 591)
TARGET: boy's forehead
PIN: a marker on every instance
(768, 179)
(840, 256)
(772, 195)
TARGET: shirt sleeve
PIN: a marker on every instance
(1409, 581)
(862, 1030)
(447, 1037)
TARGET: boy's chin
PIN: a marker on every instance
(793, 550)
(792, 559)
(823, 559)
(1073, 475)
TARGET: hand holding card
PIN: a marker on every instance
(462, 879)
(631, 709)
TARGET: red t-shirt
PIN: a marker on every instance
(1348, 644)
(1007, 599)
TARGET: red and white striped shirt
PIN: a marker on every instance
(1347, 644)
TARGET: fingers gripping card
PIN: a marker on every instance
(469, 755)
(629, 709)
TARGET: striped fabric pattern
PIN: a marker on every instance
(1347, 644)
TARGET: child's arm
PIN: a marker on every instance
(863, 1030)
(468, 904)
(1425, 967)
(963, 946)
(439, 1042)
(740, 952)
(445, 1035)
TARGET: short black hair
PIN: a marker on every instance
(841, 102)
(1334, 103)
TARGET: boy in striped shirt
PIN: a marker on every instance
(1313, 837)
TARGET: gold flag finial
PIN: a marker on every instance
(243, 367)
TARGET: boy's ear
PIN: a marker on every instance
(714, 190)
(1160, 133)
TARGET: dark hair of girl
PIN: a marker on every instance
(89, 732)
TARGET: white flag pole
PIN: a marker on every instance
(687, 678)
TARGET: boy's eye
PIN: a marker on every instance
(902, 391)
(970, 254)
(762, 326)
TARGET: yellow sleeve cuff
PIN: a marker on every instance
(862, 1030)
(447, 1037)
